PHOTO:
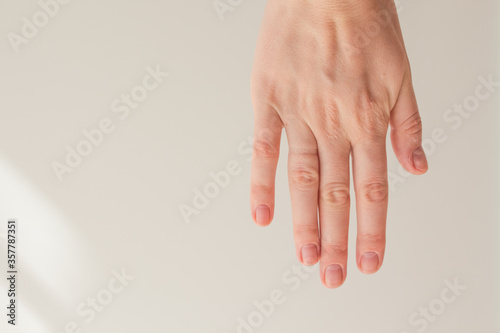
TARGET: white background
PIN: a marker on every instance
(119, 209)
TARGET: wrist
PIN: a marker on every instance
(351, 10)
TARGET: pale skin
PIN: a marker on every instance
(334, 74)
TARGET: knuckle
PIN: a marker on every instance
(301, 231)
(263, 148)
(304, 178)
(264, 89)
(334, 249)
(262, 189)
(259, 84)
(413, 125)
(331, 124)
(335, 195)
(372, 117)
(372, 239)
(375, 192)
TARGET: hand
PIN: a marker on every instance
(334, 74)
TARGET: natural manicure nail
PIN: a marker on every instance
(333, 276)
(309, 254)
(262, 214)
(419, 159)
(369, 262)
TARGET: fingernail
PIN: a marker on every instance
(309, 254)
(419, 159)
(262, 214)
(333, 276)
(369, 262)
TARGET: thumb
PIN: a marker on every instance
(406, 132)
